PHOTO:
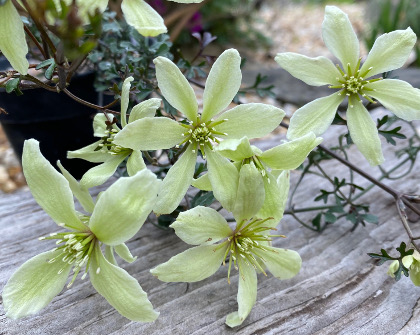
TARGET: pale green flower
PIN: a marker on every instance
(202, 131)
(137, 13)
(12, 38)
(389, 52)
(105, 150)
(411, 262)
(248, 247)
(117, 215)
(265, 166)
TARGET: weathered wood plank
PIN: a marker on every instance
(338, 291)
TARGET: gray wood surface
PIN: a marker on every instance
(338, 291)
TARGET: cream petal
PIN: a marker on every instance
(247, 294)
(236, 149)
(251, 194)
(12, 38)
(101, 173)
(389, 52)
(251, 120)
(290, 155)
(339, 36)
(125, 99)
(222, 84)
(125, 253)
(49, 188)
(364, 133)
(175, 87)
(150, 133)
(282, 263)
(143, 17)
(34, 285)
(81, 193)
(398, 96)
(202, 183)
(224, 178)
(315, 117)
(121, 290)
(192, 265)
(201, 226)
(89, 154)
(313, 71)
(144, 109)
(122, 209)
(176, 183)
(135, 163)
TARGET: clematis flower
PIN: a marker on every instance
(247, 246)
(202, 131)
(105, 150)
(389, 52)
(117, 215)
(12, 37)
(137, 13)
(411, 262)
(265, 167)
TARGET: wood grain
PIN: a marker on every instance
(338, 291)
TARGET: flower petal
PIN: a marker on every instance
(123, 251)
(99, 125)
(364, 133)
(315, 116)
(176, 183)
(290, 155)
(175, 88)
(101, 173)
(150, 133)
(121, 290)
(236, 149)
(187, 1)
(222, 84)
(135, 163)
(282, 263)
(202, 183)
(122, 209)
(224, 178)
(251, 194)
(49, 188)
(143, 18)
(89, 154)
(125, 99)
(109, 255)
(247, 294)
(415, 273)
(339, 36)
(144, 109)
(192, 265)
(12, 38)
(389, 52)
(81, 193)
(276, 193)
(313, 71)
(398, 96)
(34, 285)
(201, 226)
(251, 120)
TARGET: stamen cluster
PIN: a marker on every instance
(107, 145)
(76, 249)
(201, 134)
(258, 164)
(353, 84)
(246, 242)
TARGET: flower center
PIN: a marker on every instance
(201, 134)
(107, 144)
(353, 84)
(246, 242)
(258, 164)
(76, 249)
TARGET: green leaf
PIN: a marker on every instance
(13, 85)
(202, 198)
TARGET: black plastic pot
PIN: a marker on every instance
(58, 122)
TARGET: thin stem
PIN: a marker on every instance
(33, 38)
